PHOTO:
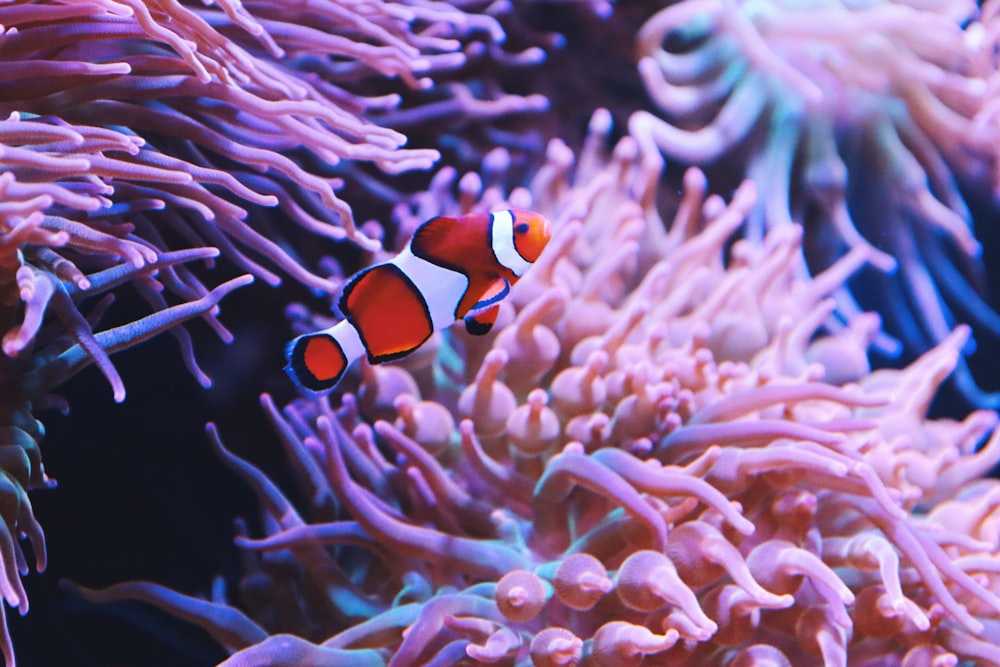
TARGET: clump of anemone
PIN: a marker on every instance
(261, 101)
(857, 120)
(141, 139)
(665, 448)
(65, 246)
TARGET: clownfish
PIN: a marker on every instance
(452, 269)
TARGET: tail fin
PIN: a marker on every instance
(316, 362)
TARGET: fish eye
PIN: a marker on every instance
(521, 228)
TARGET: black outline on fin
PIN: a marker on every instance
(477, 328)
(299, 373)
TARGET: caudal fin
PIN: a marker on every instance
(316, 362)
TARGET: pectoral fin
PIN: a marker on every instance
(494, 294)
(479, 323)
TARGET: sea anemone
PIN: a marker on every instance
(662, 450)
(142, 138)
(857, 120)
(64, 241)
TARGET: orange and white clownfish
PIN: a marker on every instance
(453, 269)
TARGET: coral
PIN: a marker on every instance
(858, 120)
(667, 453)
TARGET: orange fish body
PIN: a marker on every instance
(452, 269)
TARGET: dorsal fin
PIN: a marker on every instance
(431, 235)
(460, 244)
